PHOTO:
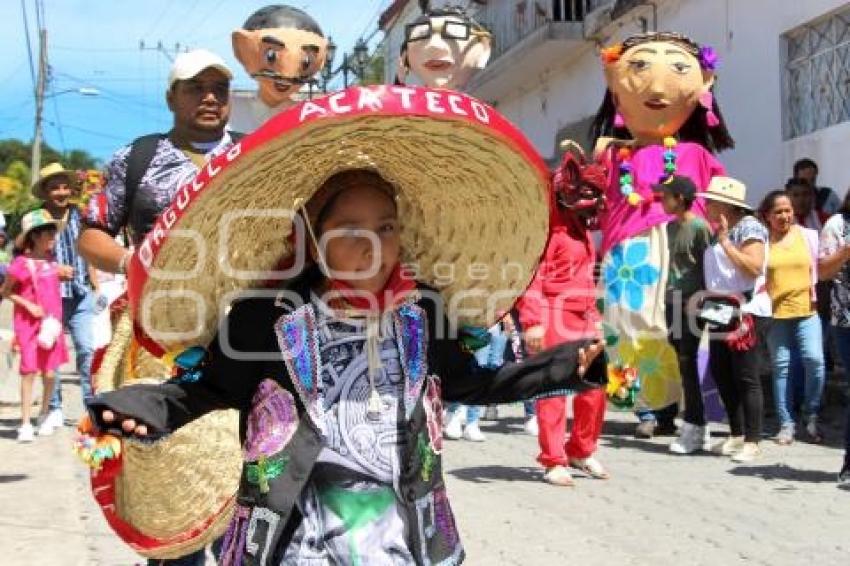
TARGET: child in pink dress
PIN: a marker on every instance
(32, 284)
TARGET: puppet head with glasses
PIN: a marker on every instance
(444, 47)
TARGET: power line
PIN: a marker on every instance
(93, 49)
(90, 132)
(29, 45)
(159, 18)
(178, 22)
(205, 18)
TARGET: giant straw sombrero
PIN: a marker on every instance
(172, 497)
(473, 201)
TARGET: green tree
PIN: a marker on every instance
(16, 150)
(16, 198)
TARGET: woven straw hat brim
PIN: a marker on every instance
(177, 495)
(473, 202)
(725, 199)
(38, 187)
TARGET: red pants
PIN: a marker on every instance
(588, 417)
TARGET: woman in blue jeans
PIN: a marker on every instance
(792, 270)
(835, 264)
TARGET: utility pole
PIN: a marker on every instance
(41, 83)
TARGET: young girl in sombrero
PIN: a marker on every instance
(336, 373)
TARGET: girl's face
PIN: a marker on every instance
(656, 87)
(44, 241)
(361, 238)
(780, 218)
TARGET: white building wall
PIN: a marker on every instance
(747, 35)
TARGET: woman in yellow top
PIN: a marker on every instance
(791, 279)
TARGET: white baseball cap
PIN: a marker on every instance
(190, 64)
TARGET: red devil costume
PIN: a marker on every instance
(561, 300)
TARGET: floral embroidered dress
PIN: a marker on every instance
(635, 266)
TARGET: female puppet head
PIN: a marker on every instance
(444, 47)
(283, 48)
(660, 84)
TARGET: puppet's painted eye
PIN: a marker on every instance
(307, 60)
(681, 68)
(639, 65)
(271, 55)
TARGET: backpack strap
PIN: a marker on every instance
(139, 159)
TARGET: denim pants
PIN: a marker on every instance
(803, 333)
(78, 318)
(473, 412)
(842, 343)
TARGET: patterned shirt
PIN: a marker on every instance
(66, 254)
(836, 234)
(169, 170)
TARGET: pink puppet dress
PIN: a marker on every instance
(45, 292)
(635, 263)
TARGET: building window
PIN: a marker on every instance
(817, 75)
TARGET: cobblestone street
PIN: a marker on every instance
(657, 510)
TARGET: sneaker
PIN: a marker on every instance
(645, 429)
(691, 439)
(56, 418)
(813, 430)
(45, 425)
(730, 446)
(749, 452)
(530, 427)
(454, 426)
(26, 433)
(473, 433)
(844, 474)
(785, 436)
(590, 466)
(559, 475)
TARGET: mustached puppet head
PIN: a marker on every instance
(660, 84)
(579, 186)
(444, 47)
(282, 48)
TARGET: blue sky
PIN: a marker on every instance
(95, 43)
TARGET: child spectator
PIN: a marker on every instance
(32, 284)
(688, 236)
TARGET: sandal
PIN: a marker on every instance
(560, 476)
(590, 466)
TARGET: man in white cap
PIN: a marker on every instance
(143, 177)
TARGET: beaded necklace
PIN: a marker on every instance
(627, 179)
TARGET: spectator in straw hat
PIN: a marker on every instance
(734, 270)
(32, 284)
(56, 187)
